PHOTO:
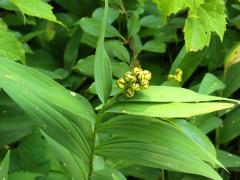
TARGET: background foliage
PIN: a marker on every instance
(63, 116)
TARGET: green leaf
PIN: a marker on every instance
(23, 175)
(210, 84)
(202, 21)
(14, 123)
(102, 65)
(154, 156)
(117, 49)
(85, 66)
(230, 129)
(169, 110)
(133, 25)
(206, 123)
(155, 46)
(71, 51)
(228, 160)
(188, 62)
(10, 47)
(177, 135)
(76, 168)
(232, 80)
(36, 8)
(172, 94)
(4, 166)
(113, 14)
(63, 115)
(92, 26)
(233, 57)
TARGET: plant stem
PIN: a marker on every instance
(163, 174)
(98, 120)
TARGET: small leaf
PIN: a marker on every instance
(92, 26)
(117, 49)
(112, 14)
(102, 65)
(155, 46)
(133, 25)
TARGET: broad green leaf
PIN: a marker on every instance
(63, 115)
(23, 175)
(232, 80)
(76, 168)
(154, 156)
(36, 8)
(178, 135)
(102, 65)
(172, 94)
(4, 167)
(168, 110)
(117, 49)
(112, 14)
(188, 62)
(119, 69)
(201, 22)
(71, 51)
(233, 57)
(206, 123)
(10, 47)
(108, 174)
(92, 26)
(230, 129)
(14, 123)
(210, 84)
(6, 4)
(228, 160)
(155, 46)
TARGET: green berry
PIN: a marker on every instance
(144, 84)
(135, 86)
(121, 83)
(147, 75)
(129, 77)
(137, 70)
(130, 92)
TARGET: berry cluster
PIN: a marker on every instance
(134, 81)
(177, 76)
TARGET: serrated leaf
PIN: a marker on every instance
(102, 65)
(202, 21)
(36, 8)
(10, 47)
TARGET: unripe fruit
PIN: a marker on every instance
(130, 92)
(137, 70)
(140, 76)
(121, 83)
(129, 77)
(135, 86)
(144, 84)
(147, 75)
